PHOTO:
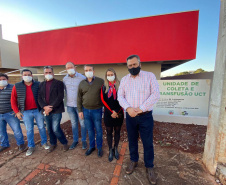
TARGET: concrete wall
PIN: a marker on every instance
(9, 54)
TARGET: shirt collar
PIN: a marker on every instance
(91, 81)
(4, 88)
(76, 74)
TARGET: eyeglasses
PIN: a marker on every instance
(48, 67)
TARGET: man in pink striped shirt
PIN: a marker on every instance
(137, 94)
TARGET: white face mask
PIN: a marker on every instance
(71, 71)
(27, 78)
(89, 74)
(3, 83)
(49, 77)
(111, 78)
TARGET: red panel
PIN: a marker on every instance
(156, 38)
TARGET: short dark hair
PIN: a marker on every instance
(89, 65)
(133, 56)
(48, 67)
(24, 70)
(4, 75)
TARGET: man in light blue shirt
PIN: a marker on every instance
(71, 82)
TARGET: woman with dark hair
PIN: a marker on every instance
(113, 112)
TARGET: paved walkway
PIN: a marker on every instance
(73, 167)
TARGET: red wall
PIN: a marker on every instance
(156, 38)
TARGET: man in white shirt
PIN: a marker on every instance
(71, 82)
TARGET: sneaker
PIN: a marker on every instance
(89, 151)
(84, 145)
(22, 147)
(66, 147)
(30, 151)
(74, 144)
(3, 148)
(46, 146)
(52, 147)
(151, 175)
(100, 152)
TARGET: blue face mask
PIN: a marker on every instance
(134, 71)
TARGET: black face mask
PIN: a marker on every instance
(134, 71)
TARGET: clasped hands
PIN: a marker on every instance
(114, 114)
(133, 112)
(47, 109)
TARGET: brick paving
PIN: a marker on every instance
(73, 167)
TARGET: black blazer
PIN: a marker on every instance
(56, 96)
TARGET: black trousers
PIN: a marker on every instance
(142, 124)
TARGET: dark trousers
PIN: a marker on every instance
(54, 130)
(142, 124)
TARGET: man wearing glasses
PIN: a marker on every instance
(50, 99)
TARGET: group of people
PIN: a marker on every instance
(86, 95)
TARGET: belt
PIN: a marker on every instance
(143, 113)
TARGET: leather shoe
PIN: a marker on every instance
(100, 152)
(110, 157)
(66, 147)
(22, 147)
(3, 148)
(131, 166)
(74, 144)
(52, 147)
(89, 151)
(151, 175)
(116, 153)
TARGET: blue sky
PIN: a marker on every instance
(26, 16)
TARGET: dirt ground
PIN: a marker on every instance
(187, 138)
(13, 146)
(168, 138)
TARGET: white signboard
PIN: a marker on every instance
(183, 97)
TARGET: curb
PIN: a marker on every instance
(118, 167)
(39, 168)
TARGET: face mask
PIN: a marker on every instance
(49, 77)
(111, 78)
(3, 83)
(134, 71)
(71, 71)
(27, 78)
(89, 74)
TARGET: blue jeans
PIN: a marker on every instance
(73, 114)
(143, 124)
(54, 129)
(93, 120)
(14, 123)
(28, 118)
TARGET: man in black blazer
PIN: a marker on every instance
(50, 99)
